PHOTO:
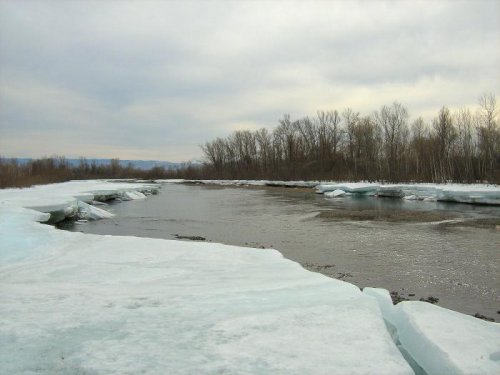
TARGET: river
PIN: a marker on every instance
(458, 264)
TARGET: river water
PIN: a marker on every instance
(460, 265)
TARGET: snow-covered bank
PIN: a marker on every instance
(73, 197)
(460, 193)
(75, 303)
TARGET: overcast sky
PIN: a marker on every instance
(155, 79)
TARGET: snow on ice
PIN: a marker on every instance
(336, 193)
(74, 303)
(460, 193)
(441, 341)
(474, 194)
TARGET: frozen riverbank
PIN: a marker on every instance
(460, 193)
(107, 304)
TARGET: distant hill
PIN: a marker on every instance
(139, 164)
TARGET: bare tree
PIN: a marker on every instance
(264, 149)
(488, 135)
(465, 147)
(394, 123)
(329, 134)
(459, 147)
(419, 147)
(445, 134)
(351, 118)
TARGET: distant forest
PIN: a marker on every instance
(457, 146)
(386, 146)
(14, 173)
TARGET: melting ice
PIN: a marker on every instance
(75, 303)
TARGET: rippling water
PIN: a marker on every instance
(459, 265)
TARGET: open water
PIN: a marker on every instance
(460, 265)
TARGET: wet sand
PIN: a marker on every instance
(486, 223)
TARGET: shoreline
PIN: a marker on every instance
(69, 282)
(417, 217)
(443, 220)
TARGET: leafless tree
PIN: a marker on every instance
(488, 135)
(459, 146)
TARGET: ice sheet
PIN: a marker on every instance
(86, 304)
(447, 342)
(473, 194)
(384, 301)
(70, 198)
(439, 340)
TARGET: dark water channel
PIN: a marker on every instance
(459, 264)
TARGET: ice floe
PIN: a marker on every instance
(78, 303)
(443, 341)
(353, 188)
(335, 194)
(439, 340)
(88, 211)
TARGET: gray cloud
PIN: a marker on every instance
(155, 79)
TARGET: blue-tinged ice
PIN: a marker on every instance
(75, 303)
(439, 340)
(473, 194)
(335, 193)
(461, 193)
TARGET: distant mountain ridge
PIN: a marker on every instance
(139, 164)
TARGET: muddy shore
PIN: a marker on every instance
(387, 215)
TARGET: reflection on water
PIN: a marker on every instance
(458, 264)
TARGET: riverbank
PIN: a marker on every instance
(70, 300)
(445, 219)
(458, 265)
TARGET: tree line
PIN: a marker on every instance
(13, 173)
(460, 146)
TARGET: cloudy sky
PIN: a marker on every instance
(155, 79)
